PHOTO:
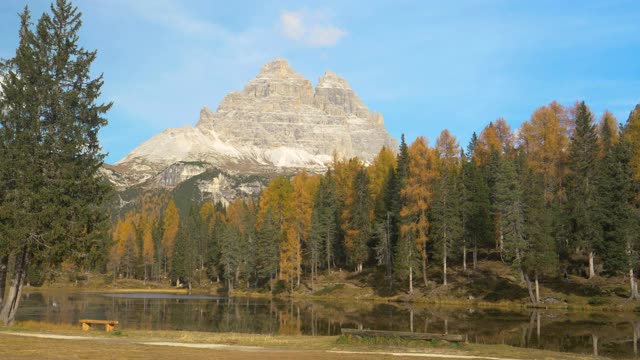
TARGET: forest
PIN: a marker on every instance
(557, 196)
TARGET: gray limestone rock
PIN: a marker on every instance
(277, 123)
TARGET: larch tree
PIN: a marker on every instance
(148, 246)
(446, 210)
(304, 192)
(49, 126)
(170, 227)
(582, 193)
(417, 197)
(545, 139)
(632, 136)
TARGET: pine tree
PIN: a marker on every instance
(619, 223)
(323, 226)
(359, 222)
(268, 241)
(185, 260)
(509, 206)
(446, 211)
(583, 203)
(48, 130)
(540, 255)
(476, 205)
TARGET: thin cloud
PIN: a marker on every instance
(311, 29)
(171, 14)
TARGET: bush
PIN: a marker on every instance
(597, 300)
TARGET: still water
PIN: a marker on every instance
(610, 334)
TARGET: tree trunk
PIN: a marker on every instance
(424, 268)
(592, 271)
(529, 287)
(537, 288)
(464, 258)
(634, 286)
(189, 284)
(444, 264)
(10, 305)
(4, 264)
(475, 256)
(328, 248)
(410, 280)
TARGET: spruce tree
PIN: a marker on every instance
(509, 207)
(476, 207)
(323, 225)
(359, 223)
(539, 256)
(584, 213)
(49, 126)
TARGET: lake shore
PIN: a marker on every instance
(62, 341)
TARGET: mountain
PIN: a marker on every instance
(277, 124)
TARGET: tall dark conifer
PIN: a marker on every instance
(50, 123)
(584, 213)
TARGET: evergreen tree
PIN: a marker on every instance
(359, 222)
(323, 226)
(619, 224)
(268, 241)
(582, 193)
(510, 210)
(185, 260)
(48, 130)
(540, 256)
(476, 206)
(446, 210)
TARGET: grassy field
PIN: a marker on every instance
(18, 342)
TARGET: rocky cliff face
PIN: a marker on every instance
(277, 123)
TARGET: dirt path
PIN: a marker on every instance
(20, 346)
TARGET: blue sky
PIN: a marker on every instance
(425, 65)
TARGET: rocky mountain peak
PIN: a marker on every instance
(276, 122)
(278, 69)
(333, 81)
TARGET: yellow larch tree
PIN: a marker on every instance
(170, 226)
(545, 139)
(417, 195)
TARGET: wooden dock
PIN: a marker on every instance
(404, 335)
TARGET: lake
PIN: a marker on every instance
(610, 334)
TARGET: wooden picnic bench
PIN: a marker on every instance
(403, 334)
(109, 325)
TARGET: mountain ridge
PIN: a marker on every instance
(277, 124)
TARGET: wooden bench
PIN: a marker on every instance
(403, 334)
(109, 325)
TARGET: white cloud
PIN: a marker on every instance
(311, 29)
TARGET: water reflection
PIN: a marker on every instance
(605, 334)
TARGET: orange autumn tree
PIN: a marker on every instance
(170, 226)
(378, 173)
(417, 195)
(545, 139)
(304, 193)
(148, 247)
